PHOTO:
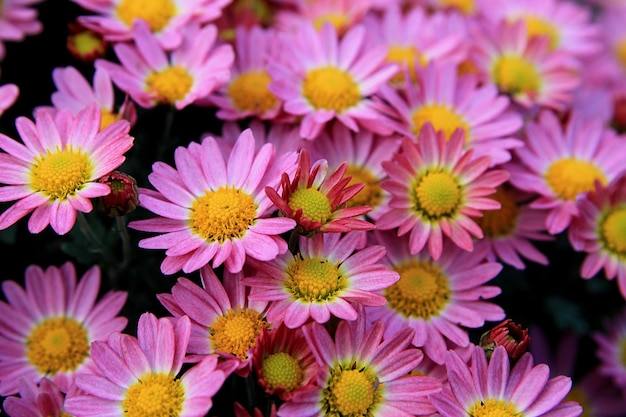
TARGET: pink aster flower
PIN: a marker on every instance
(450, 102)
(213, 210)
(54, 173)
(440, 299)
(493, 388)
(224, 319)
(36, 400)
(8, 96)
(598, 232)
(363, 373)
(322, 77)
(561, 164)
(151, 75)
(114, 19)
(132, 370)
(610, 343)
(435, 188)
(48, 326)
(326, 277)
(18, 19)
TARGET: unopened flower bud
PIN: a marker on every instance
(512, 336)
(124, 195)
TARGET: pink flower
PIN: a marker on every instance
(18, 19)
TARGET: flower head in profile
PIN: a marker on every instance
(435, 188)
(152, 75)
(47, 326)
(326, 277)
(317, 201)
(561, 164)
(36, 400)
(132, 372)
(54, 173)
(493, 388)
(212, 209)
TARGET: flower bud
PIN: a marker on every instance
(124, 195)
(512, 336)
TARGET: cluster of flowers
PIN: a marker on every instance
(379, 163)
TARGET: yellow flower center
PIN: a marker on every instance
(330, 88)
(620, 52)
(578, 395)
(568, 177)
(536, 26)
(170, 85)
(226, 213)
(613, 231)
(338, 20)
(87, 42)
(515, 75)
(493, 407)
(314, 204)
(107, 118)
(314, 279)
(57, 345)
(351, 392)
(502, 222)
(154, 395)
(437, 195)
(372, 194)
(281, 370)
(441, 117)
(157, 13)
(60, 173)
(236, 331)
(423, 290)
(249, 92)
(405, 56)
(465, 6)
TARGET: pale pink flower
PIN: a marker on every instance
(18, 19)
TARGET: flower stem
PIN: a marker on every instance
(126, 248)
(97, 243)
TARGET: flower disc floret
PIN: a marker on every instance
(236, 331)
(502, 222)
(314, 204)
(158, 395)
(351, 392)
(437, 194)
(536, 26)
(57, 345)
(330, 88)
(281, 370)
(171, 84)
(157, 13)
(249, 92)
(372, 194)
(441, 117)
(613, 231)
(60, 173)
(515, 75)
(568, 177)
(314, 279)
(493, 407)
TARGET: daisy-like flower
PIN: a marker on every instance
(364, 152)
(317, 201)
(36, 400)
(142, 376)
(18, 19)
(114, 19)
(213, 210)
(48, 326)
(494, 389)
(439, 299)
(151, 75)
(323, 279)
(85, 44)
(322, 77)
(283, 361)
(599, 231)
(561, 164)
(247, 93)
(8, 96)
(342, 14)
(54, 172)
(224, 319)
(524, 67)
(363, 374)
(435, 188)
(610, 342)
(450, 102)
(510, 230)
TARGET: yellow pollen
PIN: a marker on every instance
(568, 177)
(351, 392)
(281, 370)
(515, 75)
(423, 290)
(465, 6)
(441, 117)
(437, 195)
(249, 92)
(154, 395)
(170, 85)
(224, 214)
(578, 395)
(60, 173)
(314, 204)
(620, 52)
(338, 20)
(87, 42)
(107, 118)
(330, 88)
(493, 407)
(613, 231)
(157, 13)
(236, 331)
(372, 194)
(405, 56)
(314, 279)
(57, 345)
(536, 26)
(502, 222)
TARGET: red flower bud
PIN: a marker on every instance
(85, 44)
(124, 195)
(512, 336)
